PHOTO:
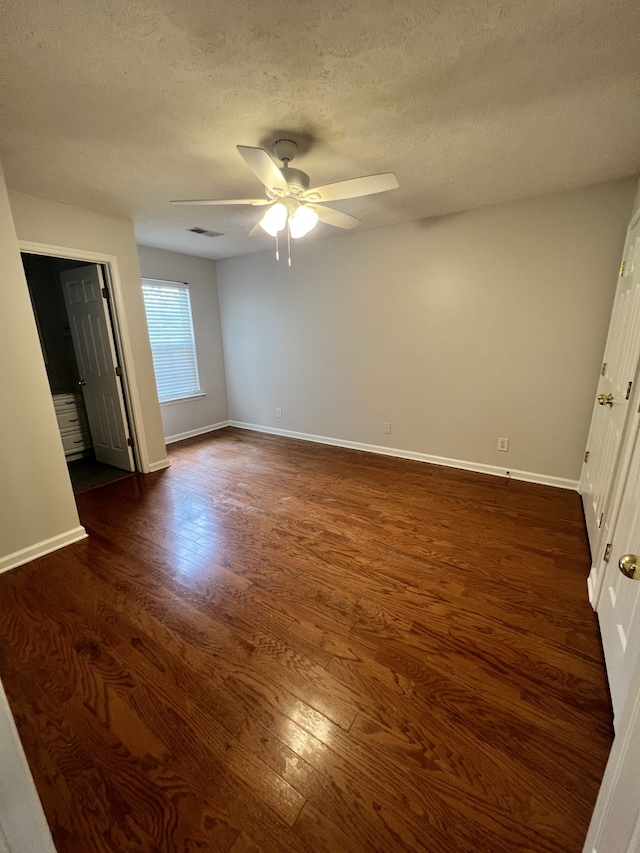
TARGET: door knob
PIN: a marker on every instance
(605, 399)
(81, 382)
(629, 566)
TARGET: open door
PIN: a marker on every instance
(85, 297)
(612, 401)
(619, 603)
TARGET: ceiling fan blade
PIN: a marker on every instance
(352, 188)
(254, 201)
(335, 217)
(263, 167)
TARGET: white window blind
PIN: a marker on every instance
(170, 322)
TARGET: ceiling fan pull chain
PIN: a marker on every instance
(277, 248)
(289, 240)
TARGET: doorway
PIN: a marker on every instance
(72, 308)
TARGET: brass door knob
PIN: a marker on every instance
(605, 399)
(629, 566)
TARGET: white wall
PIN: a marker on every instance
(47, 222)
(457, 330)
(37, 507)
(190, 417)
(23, 825)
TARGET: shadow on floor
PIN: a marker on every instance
(88, 473)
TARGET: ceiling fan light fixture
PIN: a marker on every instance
(291, 204)
(303, 220)
(274, 219)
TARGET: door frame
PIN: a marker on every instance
(118, 316)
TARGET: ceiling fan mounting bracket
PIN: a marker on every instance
(285, 150)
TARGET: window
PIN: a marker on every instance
(170, 322)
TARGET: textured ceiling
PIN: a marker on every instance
(122, 105)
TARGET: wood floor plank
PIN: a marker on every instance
(281, 647)
(245, 844)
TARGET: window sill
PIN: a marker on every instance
(183, 399)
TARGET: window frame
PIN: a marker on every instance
(189, 340)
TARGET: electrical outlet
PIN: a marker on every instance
(386, 427)
(503, 444)
(278, 412)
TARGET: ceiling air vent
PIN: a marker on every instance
(205, 233)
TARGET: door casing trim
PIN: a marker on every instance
(120, 330)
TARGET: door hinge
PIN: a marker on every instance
(622, 268)
(586, 456)
(105, 292)
(600, 522)
(629, 387)
(604, 368)
(130, 441)
(118, 371)
(607, 552)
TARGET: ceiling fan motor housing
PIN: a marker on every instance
(297, 181)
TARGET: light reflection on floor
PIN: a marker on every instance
(195, 535)
(304, 731)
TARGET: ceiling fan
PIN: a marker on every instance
(292, 204)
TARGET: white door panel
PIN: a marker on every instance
(95, 352)
(615, 824)
(609, 420)
(619, 603)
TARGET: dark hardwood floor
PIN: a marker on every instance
(282, 647)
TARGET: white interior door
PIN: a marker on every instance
(94, 347)
(614, 390)
(619, 603)
(615, 824)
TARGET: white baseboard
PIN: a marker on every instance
(170, 439)
(158, 466)
(18, 558)
(479, 468)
